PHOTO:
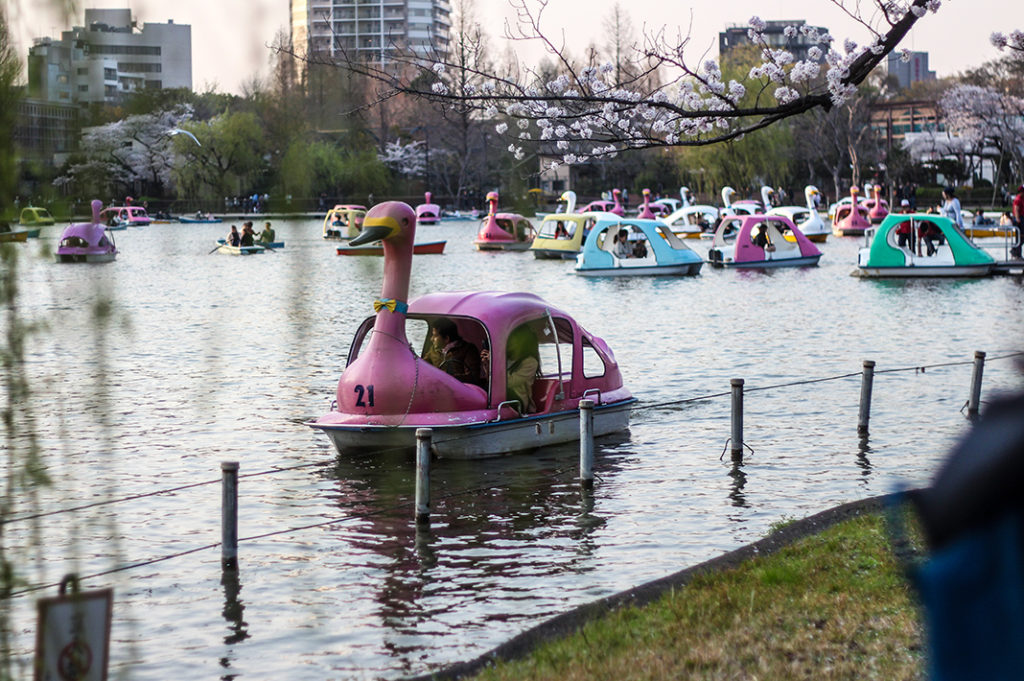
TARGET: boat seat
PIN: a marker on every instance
(544, 391)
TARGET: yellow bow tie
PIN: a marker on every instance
(391, 304)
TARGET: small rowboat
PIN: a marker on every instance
(8, 235)
(227, 249)
(425, 248)
(205, 220)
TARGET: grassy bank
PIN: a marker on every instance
(833, 605)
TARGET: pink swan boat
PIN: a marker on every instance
(122, 217)
(428, 213)
(87, 241)
(645, 212)
(851, 219)
(387, 390)
(877, 207)
(602, 206)
(503, 231)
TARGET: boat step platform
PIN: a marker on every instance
(1010, 267)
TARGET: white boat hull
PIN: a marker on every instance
(86, 257)
(553, 254)
(240, 250)
(924, 271)
(502, 245)
(629, 271)
(484, 439)
(762, 264)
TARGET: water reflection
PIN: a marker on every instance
(232, 612)
(863, 449)
(499, 527)
(739, 481)
(514, 541)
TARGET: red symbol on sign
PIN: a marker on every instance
(74, 661)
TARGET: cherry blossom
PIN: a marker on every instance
(665, 102)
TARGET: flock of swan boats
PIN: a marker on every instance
(389, 389)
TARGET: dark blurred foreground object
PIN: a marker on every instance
(971, 583)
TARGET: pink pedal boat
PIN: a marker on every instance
(123, 217)
(877, 207)
(388, 390)
(761, 241)
(428, 212)
(87, 241)
(851, 219)
(503, 231)
(604, 206)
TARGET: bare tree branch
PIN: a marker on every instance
(597, 110)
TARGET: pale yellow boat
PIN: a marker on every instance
(344, 221)
(985, 231)
(561, 235)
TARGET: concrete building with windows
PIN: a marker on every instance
(775, 35)
(108, 58)
(893, 120)
(910, 72)
(370, 29)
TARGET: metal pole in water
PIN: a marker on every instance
(867, 380)
(423, 437)
(979, 369)
(587, 442)
(229, 515)
(737, 419)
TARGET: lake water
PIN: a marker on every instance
(205, 358)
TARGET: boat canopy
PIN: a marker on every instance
(35, 215)
(570, 356)
(569, 222)
(885, 251)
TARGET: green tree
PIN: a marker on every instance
(229, 160)
(10, 72)
(23, 468)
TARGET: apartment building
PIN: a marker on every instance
(108, 57)
(370, 29)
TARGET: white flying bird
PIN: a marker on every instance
(179, 131)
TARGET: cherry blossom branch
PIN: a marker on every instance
(1014, 41)
(585, 113)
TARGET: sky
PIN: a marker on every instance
(230, 38)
